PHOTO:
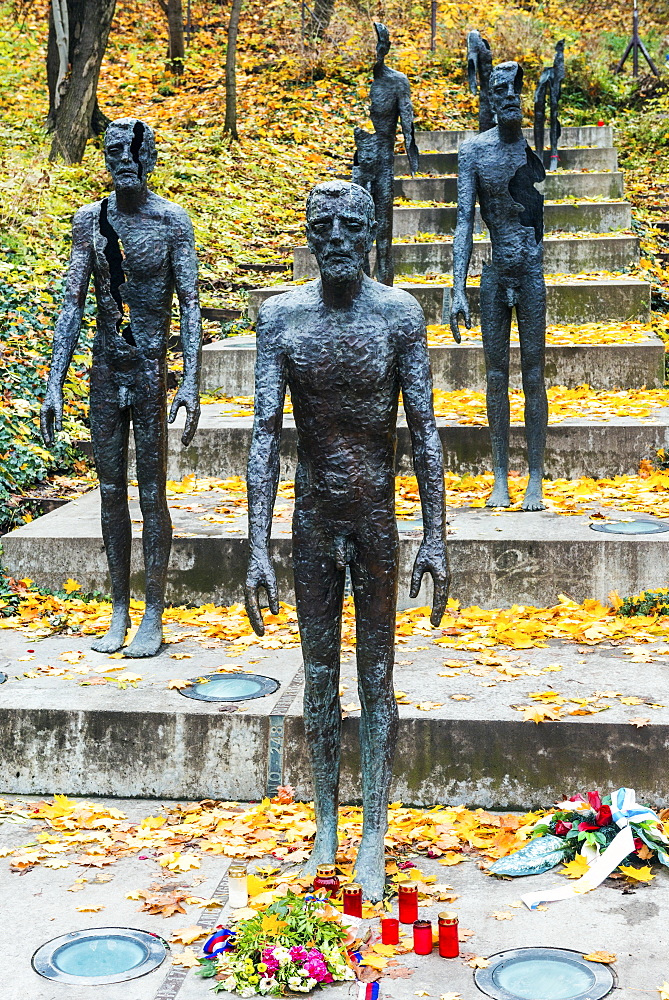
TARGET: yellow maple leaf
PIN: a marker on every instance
(374, 961)
(272, 924)
(600, 956)
(177, 684)
(451, 858)
(638, 874)
(90, 909)
(70, 586)
(663, 990)
(478, 962)
(186, 935)
(501, 915)
(188, 959)
(179, 861)
(388, 950)
(576, 868)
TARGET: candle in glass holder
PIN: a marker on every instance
(237, 887)
(352, 894)
(407, 894)
(422, 937)
(449, 944)
(326, 879)
(390, 930)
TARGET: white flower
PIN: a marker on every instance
(302, 972)
(266, 984)
(247, 991)
(282, 955)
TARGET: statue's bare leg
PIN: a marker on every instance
(319, 591)
(150, 430)
(374, 577)
(496, 330)
(109, 434)
(531, 312)
(384, 191)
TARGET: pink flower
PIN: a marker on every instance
(270, 961)
(298, 953)
(316, 967)
(595, 800)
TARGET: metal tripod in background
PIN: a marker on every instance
(635, 45)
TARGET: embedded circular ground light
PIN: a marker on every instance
(543, 974)
(3, 677)
(100, 956)
(636, 527)
(230, 687)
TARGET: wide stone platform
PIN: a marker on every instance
(567, 217)
(59, 736)
(566, 184)
(228, 365)
(562, 255)
(573, 300)
(579, 158)
(450, 140)
(497, 560)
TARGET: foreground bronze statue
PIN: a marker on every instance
(500, 169)
(139, 249)
(550, 85)
(374, 163)
(345, 346)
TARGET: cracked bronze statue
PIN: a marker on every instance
(479, 68)
(139, 249)
(500, 168)
(374, 162)
(345, 346)
(550, 85)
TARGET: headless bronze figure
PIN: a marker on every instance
(139, 249)
(499, 168)
(374, 163)
(345, 346)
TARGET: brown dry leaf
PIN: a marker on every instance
(639, 722)
(89, 909)
(178, 685)
(461, 697)
(478, 962)
(163, 904)
(181, 656)
(428, 706)
(399, 972)
(450, 996)
(464, 933)
(605, 957)
(502, 915)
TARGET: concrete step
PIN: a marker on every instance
(574, 448)
(576, 301)
(145, 741)
(584, 158)
(228, 365)
(496, 561)
(562, 255)
(563, 185)
(567, 217)
(580, 135)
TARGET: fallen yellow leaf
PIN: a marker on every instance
(600, 956)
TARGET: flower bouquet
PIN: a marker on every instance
(586, 826)
(296, 944)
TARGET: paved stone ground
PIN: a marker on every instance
(37, 907)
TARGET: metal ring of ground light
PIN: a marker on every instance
(3, 677)
(57, 959)
(243, 687)
(596, 980)
(632, 527)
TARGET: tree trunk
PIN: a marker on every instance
(73, 109)
(68, 31)
(320, 15)
(173, 9)
(231, 71)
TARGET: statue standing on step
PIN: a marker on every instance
(374, 162)
(139, 249)
(479, 68)
(500, 169)
(345, 346)
(550, 84)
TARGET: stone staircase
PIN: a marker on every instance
(524, 557)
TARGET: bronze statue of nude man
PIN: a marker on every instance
(139, 249)
(345, 346)
(501, 169)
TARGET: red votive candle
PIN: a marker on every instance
(449, 944)
(407, 894)
(326, 879)
(390, 930)
(422, 937)
(352, 894)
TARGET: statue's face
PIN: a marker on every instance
(504, 98)
(340, 236)
(127, 158)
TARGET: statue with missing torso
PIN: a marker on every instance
(139, 249)
(500, 169)
(345, 346)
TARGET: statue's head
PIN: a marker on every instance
(341, 227)
(506, 83)
(382, 41)
(130, 152)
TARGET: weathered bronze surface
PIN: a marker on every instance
(550, 85)
(499, 168)
(139, 249)
(374, 163)
(345, 346)
(479, 68)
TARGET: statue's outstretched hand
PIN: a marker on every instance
(260, 574)
(188, 396)
(432, 559)
(51, 414)
(459, 307)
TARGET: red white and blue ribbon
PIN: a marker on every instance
(368, 991)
